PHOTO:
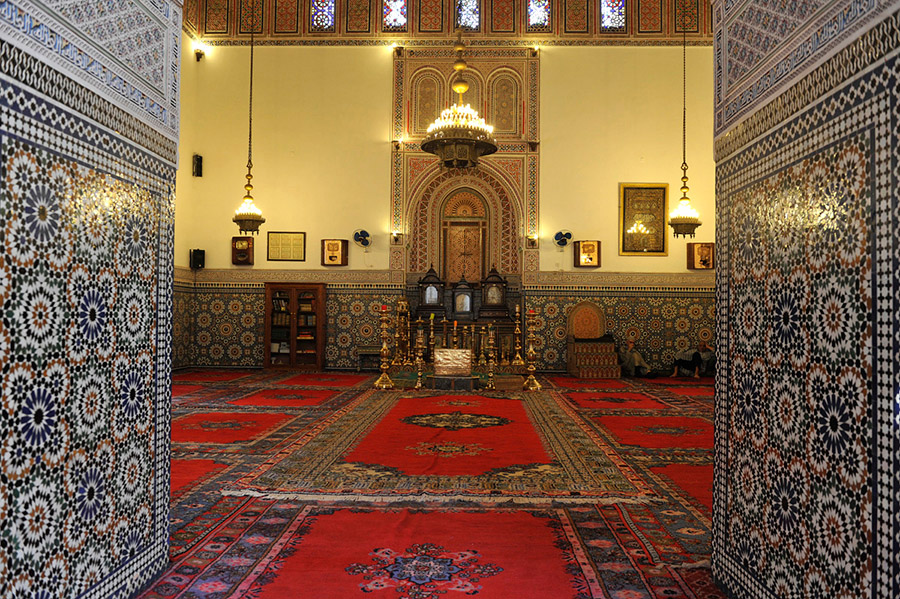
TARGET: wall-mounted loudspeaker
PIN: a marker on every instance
(198, 259)
(197, 165)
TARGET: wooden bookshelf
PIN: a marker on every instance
(295, 325)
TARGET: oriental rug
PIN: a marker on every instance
(270, 549)
(388, 446)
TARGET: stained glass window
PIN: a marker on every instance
(612, 15)
(538, 15)
(321, 18)
(395, 15)
(468, 14)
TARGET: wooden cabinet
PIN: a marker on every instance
(295, 325)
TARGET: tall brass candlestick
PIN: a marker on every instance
(531, 383)
(384, 381)
(517, 360)
(472, 343)
(420, 347)
(431, 338)
(410, 356)
(444, 333)
(455, 344)
(482, 358)
(398, 357)
(491, 361)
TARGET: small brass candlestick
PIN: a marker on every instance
(384, 381)
(455, 344)
(444, 335)
(491, 361)
(531, 383)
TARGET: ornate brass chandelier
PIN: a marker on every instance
(684, 220)
(459, 137)
(248, 217)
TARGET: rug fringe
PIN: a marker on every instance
(427, 498)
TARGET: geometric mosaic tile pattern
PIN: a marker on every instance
(806, 482)
(85, 298)
(662, 321)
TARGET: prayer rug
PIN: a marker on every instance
(269, 549)
(319, 379)
(569, 382)
(209, 376)
(696, 480)
(659, 431)
(292, 398)
(623, 400)
(682, 380)
(225, 427)
(389, 446)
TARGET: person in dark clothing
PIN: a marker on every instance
(691, 359)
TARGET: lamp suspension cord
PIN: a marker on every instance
(250, 134)
(683, 92)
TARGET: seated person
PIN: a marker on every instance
(633, 363)
(692, 359)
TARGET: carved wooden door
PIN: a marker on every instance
(463, 252)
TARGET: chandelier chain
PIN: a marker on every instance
(683, 89)
(250, 120)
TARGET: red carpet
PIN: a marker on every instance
(660, 431)
(622, 400)
(209, 376)
(428, 446)
(292, 398)
(224, 427)
(695, 480)
(574, 383)
(187, 472)
(181, 390)
(314, 379)
(692, 391)
(452, 435)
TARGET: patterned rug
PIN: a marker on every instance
(392, 445)
(650, 541)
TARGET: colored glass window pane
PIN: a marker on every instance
(468, 14)
(612, 14)
(538, 15)
(395, 15)
(322, 15)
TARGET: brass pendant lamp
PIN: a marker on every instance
(248, 217)
(684, 220)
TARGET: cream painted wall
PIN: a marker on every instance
(322, 156)
(611, 115)
(321, 149)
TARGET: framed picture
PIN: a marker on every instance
(334, 252)
(587, 253)
(701, 256)
(242, 250)
(285, 245)
(642, 219)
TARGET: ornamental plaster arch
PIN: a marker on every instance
(503, 205)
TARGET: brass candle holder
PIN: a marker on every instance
(531, 383)
(409, 360)
(420, 348)
(491, 362)
(444, 323)
(517, 360)
(431, 339)
(482, 358)
(384, 381)
(472, 344)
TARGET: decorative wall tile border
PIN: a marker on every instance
(259, 275)
(701, 280)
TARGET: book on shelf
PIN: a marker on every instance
(305, 306)
(281, 319)
(302, 337)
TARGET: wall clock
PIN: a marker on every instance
(242, 250)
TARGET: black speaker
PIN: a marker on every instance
(197, 165)
(198, 259)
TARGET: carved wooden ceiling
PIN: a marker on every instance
(430, 22)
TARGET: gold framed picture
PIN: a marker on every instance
(286, 246)
(587, 253)
(701, 256)
(642, 219)
(334, 252)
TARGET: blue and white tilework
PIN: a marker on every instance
(806, 478)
